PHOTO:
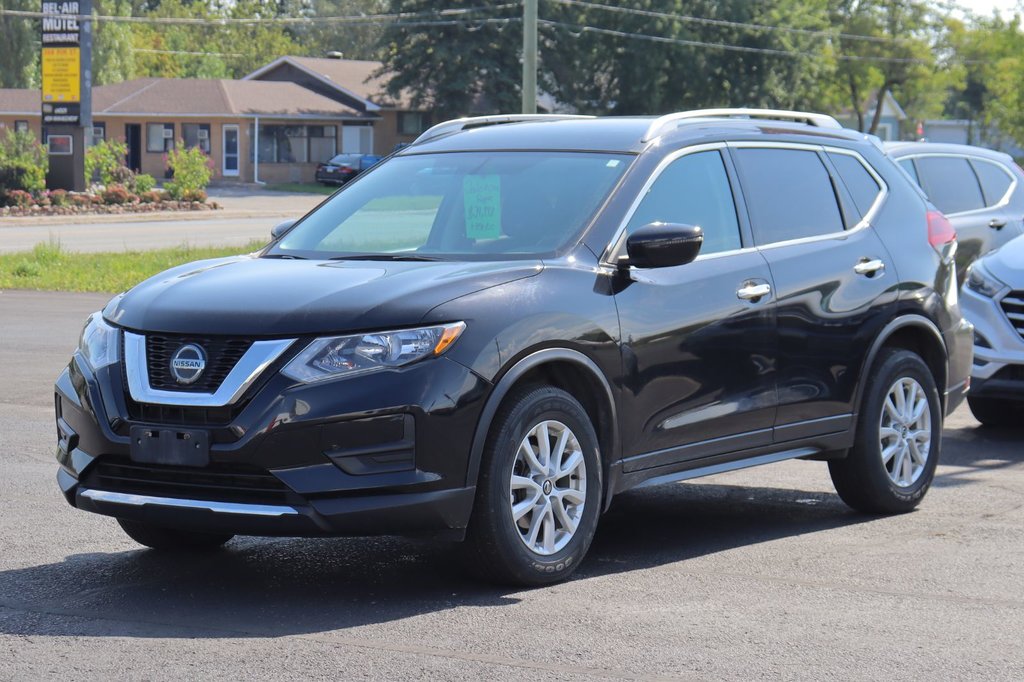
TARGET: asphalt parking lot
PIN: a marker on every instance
(758, 574)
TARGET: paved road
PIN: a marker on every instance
(762, 574)
(246, 216)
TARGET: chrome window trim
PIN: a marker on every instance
(971, 157)
(615, 245)
(864, 222)
(239, 508)
(261, 354)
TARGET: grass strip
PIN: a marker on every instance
(48, 267)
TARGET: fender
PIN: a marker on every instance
(516, 372)
(901, 322)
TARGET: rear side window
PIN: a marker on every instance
(950, 183)
(693, 190)
(994, 180)
(789, 194)
(859, 182)
(908, 165)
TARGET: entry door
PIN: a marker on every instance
(698, 349)
(230, 160)
(133, 141)
(834, 281)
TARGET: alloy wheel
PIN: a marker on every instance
(548, 487)
(905, 431)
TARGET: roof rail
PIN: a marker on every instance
(481, 121)
(666, 123)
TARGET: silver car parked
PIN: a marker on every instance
(993, 299)
(981, 192)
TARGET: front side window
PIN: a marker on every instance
(950, 183)
(693, 190)
(789, 194)
(473, 205)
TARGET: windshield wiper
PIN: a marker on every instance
(386, 256)
(285, 256)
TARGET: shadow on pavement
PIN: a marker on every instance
(981, 448)
(271, 587)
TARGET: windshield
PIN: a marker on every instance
(463, 204)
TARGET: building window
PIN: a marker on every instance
(412, 122)
(21, 126)
(98, 134)
(159, 137)
(297, 144)
(196, 135)
(323, 142)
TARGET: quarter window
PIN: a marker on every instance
(908, 165)
(994, 180)
(693, 190)
(950, 183)
(859, 182)
(789, 194)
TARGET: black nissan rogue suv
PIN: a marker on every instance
(494, 331)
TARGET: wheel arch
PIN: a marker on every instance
(915, 333)
(571, 371)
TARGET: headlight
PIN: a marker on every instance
(980, 281)
(343, 356)
(99, 342)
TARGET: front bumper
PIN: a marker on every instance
(385, 453)
(998, 368)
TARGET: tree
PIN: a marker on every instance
(113, 55)
(19, 47)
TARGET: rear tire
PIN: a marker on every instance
(170, 539)
(539, 493)
(891, 466)
(993, 412)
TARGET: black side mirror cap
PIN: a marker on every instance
(663, 245)
(277, 231)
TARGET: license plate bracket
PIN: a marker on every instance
(180, 447)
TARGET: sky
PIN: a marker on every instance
(1006, 7)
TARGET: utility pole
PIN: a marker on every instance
(530, 56)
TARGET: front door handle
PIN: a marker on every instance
(753, 292)
(869, 267)
(997, 223)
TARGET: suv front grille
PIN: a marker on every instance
(1013, 308)
(216, 483)
(222, 354)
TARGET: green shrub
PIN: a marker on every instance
(105, 160)
(23, 162)
(144, 182)
(59, 197)
(192, 171)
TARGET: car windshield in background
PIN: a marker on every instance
(463, 204)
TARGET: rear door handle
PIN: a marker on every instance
(869, 267)
(753, 292)
(997, 223)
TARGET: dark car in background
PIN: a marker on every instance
(341, 168)
(981, 192)
(506, 324)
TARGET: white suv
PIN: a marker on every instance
(993, 299)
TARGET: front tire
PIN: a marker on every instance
(170, 539)
(992, 412)
(899, 430)
(539, 494)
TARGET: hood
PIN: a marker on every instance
(1007, 264)
(250, 296)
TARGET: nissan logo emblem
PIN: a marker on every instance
(188, 363)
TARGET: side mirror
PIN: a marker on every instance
(278, 230)
(662, 245)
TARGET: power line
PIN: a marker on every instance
(254, 21)
(727, 23)
(580, 29)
